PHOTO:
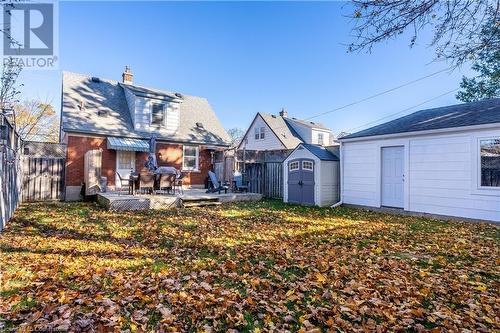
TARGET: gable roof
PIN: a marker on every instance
(319, 151)
(309, 124)
(459, 115)
(283, 131)
(100, 107)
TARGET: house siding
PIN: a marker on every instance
(167, 155)
(270, 142)
(441, 174)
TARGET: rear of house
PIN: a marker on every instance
(120, 118)
(443, 161)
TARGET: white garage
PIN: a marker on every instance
(443, 161)
(311, 176)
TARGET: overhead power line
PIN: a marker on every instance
(379, 94)
(402, 111)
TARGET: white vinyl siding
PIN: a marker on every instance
(269, 142)
(441, 174)
(320, 137)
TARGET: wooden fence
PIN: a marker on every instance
(43, 178)
(265, 178)
(262, 170)
(43, 166)
(10, 172)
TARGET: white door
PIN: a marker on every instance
(125, 163)
(393, 177)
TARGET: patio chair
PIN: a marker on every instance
(167, 181)
(178, 183)
(146, 182)
(217, 186)
(124, 184)
(238, 184)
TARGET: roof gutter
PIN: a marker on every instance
(428, 132)
(159, 139)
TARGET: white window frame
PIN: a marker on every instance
(259, 133)
(304, 165)
(478, 164)
(292, 164)
(322, 140)
(164, 123)
(197, 155)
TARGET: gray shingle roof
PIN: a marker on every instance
(310, 124)
(320, 152)
(285, 133)
(101, 108)
(459, 115)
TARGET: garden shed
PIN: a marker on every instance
(312, 175)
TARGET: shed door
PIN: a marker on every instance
(301, 181)
(392, 177)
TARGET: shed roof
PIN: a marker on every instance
(320, 152)
(467, 114)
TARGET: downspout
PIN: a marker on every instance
(341, 180)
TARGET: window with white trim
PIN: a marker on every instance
(125, 160)
(190, 160)
(260, 133)
(490, 162)
(321, 138)
(158, 116)
(293, 166)
(307, 165)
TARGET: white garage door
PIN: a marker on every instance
(393, 177)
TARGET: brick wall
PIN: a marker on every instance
(166, 154)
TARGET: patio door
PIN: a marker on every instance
(393, 177)
(125, 164)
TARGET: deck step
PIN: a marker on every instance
(200, 198)
(199, 203)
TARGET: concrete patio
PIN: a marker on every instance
(190, 198)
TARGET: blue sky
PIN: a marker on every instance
(245, 58)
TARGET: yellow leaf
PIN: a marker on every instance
(320, 278)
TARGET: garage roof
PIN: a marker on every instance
(468, 114)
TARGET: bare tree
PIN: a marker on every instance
(236, 134)
(9, 88)
(458, 25)
(36, 121)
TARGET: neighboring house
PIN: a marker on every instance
(443, 161)
(269, 132)
(120, 118)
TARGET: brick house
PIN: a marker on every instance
(120, 118)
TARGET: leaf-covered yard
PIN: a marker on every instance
(246, 267)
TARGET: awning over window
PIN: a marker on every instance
(128, 144)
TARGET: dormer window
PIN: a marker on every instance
(321, 139)
(158, 117)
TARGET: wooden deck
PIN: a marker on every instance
(192, 197)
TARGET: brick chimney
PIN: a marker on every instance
(127, 76)
(283, 113)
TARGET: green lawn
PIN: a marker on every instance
(245, 267)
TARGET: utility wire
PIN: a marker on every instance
(402, 111)
(379, 94)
